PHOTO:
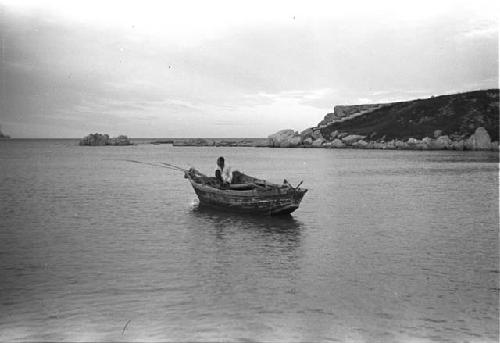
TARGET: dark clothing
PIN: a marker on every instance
(237, 177)
(218, 176)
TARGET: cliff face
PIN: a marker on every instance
(456, 115)
(342, 112)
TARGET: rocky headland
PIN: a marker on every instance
(465, 121)
(98, 139)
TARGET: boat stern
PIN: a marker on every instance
(296, 195)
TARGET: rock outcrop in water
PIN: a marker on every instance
(120, 140)
(465, 121)
(2, 135)
(98, 139)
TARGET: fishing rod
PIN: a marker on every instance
(173, 166)
(166, 165)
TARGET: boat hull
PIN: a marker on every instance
(276, 201)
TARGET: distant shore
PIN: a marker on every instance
(439, 143)
(419, 145)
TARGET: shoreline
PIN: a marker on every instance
(411, 145)
(417, 145)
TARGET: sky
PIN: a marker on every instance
(230, 68)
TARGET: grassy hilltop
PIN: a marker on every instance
(456, 115)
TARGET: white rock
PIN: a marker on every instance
(318, 142)
(352, 138)
(284, 138)
(337, 143)
(308, 141)
(360, 144)
(479, 140)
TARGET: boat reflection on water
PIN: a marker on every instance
(246, 258)
(284, 224)
(237, 233)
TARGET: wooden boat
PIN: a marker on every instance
(249, 194)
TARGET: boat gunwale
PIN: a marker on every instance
(275, 191)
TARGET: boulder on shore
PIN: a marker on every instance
(307, 133)
(307, 141)
(479, 140)
(334, 134)
(318, 142)
(360, 144)
(316, 134)
(312, 138)
(285, 139)
(441, 143)
(350, 139)
(292, 142)
(337, 143)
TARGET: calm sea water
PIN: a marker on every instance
(387, 246)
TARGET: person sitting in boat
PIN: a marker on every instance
(223, 173)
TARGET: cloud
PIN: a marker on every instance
(241, 72)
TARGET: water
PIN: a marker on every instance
(387, 246)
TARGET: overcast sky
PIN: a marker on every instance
(230, 68)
